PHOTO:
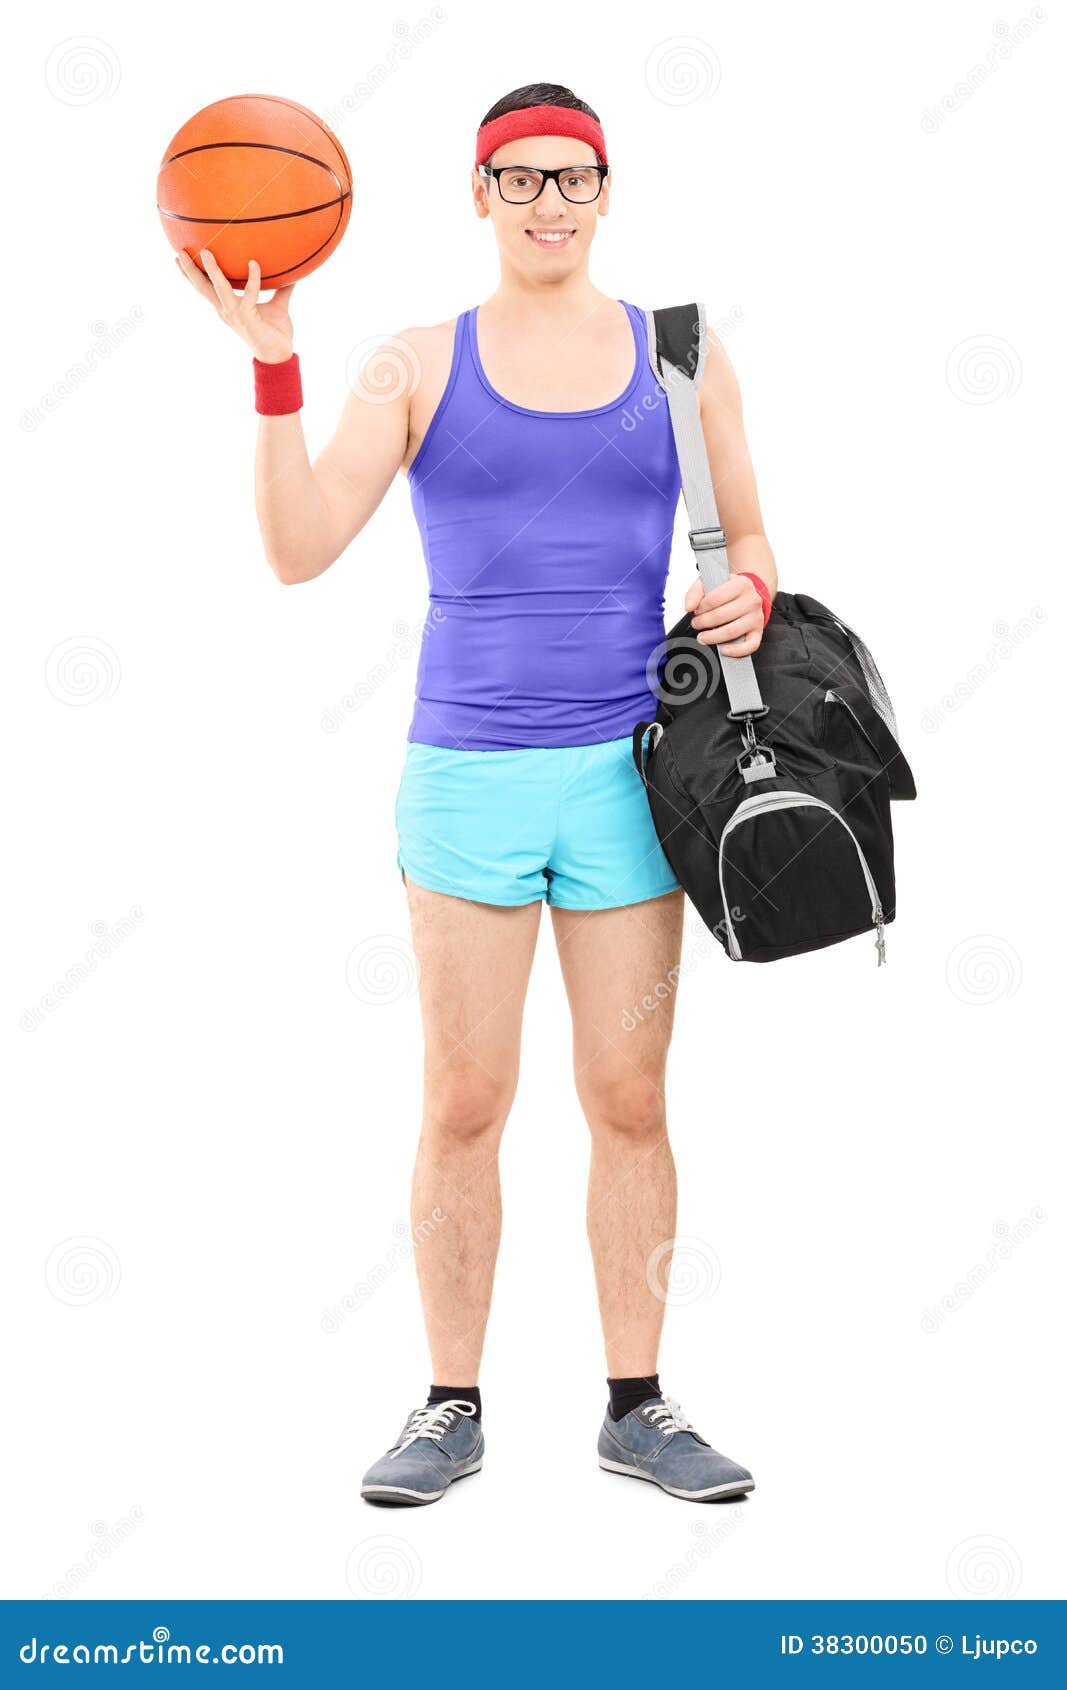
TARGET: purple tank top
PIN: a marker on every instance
(547, 538)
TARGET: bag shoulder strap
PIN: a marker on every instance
(676, 352)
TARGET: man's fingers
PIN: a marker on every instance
(251, 289)
(736, 629)
(223, 291)
(195, 275)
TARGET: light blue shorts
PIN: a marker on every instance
(570, 824)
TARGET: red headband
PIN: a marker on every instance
(539, 120)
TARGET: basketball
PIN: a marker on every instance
(256, 177)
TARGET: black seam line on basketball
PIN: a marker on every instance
(274, 275)
(290, 105)
(260, 146)
(268, 217)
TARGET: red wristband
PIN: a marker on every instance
(764, 592)
(278, 390)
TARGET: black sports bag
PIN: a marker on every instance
(769, 778)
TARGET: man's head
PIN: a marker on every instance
(542, 224)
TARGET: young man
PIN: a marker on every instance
(546, 522)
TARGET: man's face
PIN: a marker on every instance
(550, 234)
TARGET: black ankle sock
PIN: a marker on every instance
(627, 1394)
(464, 1393)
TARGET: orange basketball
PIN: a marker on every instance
(256, 177)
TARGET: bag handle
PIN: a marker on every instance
(676, 353)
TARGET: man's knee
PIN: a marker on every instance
(466, 1105)
(625, 1106)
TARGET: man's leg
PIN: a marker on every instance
(474, 967)
(612, 960)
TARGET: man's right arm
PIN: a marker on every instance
(309, 513)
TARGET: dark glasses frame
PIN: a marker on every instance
(498, 170)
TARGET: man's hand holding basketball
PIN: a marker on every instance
(265, 326)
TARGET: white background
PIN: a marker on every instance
(211, 1134)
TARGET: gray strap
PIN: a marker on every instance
(705, 535)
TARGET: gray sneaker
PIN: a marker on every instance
(657, 1442)
(437, 1445)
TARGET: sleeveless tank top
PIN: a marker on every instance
(547, 539)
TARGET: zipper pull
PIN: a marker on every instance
(879, 942)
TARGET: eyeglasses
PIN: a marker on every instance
(521, 185)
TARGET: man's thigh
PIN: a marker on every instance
(474, 963)
(620, 968)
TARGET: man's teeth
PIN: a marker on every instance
(546, 235)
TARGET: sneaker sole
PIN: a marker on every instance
(404, 1498)
(736, 1487)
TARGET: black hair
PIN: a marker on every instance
(538, 94)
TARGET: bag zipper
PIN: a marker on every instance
(763, 804)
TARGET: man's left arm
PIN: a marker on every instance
(733, 615)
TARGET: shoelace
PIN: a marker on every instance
(433, 1422)
(667, 1417)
